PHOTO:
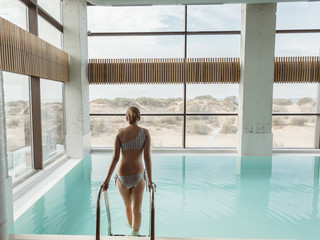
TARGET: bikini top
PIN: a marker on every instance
(136, 143)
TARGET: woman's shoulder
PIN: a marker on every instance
(146, 131)
(121, 131)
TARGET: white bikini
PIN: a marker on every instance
(133, 180)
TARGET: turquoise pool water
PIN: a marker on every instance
(197, 196)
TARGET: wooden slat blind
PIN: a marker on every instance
(195, 70)
(168, 70)
(24, 53)
(297, 70)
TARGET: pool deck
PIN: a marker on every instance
(79, 237)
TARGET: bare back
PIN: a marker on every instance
(131, 160)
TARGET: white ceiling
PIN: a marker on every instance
(180, 2)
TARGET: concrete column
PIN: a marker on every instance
(3, 175)
(256, 80)
(78, 135)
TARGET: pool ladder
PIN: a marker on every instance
(106, 199)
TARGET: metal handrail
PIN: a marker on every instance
(152, 211)
(98, 215)
(106, 198)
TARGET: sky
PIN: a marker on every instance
(297, 15)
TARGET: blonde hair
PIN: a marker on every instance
(133, 114)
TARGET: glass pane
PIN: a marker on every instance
(214, 17)
(49, 33)
(211, 131)
(17, 107)
(15, 12)
(136, 47)
(136, 19)
(52, 118)
(165, 131)
(298, 15)
(105, 129)
(212, 46)
(153, 98)
(302, 44)
(53, 7)
(212, 98)
(295, 97)
(293, 131)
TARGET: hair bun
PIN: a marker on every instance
(133, 114)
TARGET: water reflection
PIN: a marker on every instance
(253, 184)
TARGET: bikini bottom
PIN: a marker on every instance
(131, 180)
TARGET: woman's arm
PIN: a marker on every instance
(147, 157)
(114, 161)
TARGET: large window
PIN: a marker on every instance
(176, 115)
(24, 149)
(208, 112)
(17, 108)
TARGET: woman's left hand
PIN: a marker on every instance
(105, 186)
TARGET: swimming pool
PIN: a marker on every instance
(197, 196)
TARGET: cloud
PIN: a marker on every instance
(307, 44)
(132, 19)
(136, 47)
(298, 15)
(214, 17)
(214, 46)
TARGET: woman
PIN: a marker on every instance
(130, 177)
